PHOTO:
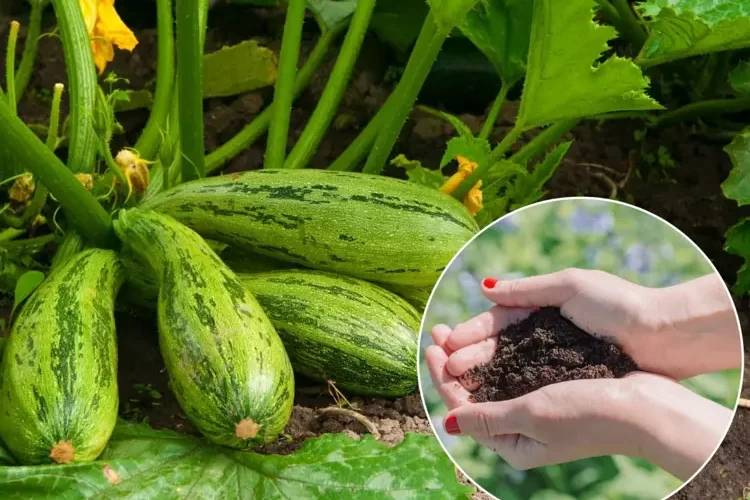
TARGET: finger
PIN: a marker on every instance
(488, 420)
(471, 356)
(440, 334)
(483, 326)
(452, 392)
(537, 291)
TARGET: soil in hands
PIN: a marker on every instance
(544, 349)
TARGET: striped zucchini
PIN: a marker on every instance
(58, 379)
(361, 336)
(226, 364)
(371, 227)
(417, 297)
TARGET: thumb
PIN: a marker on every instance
(537, 291)
(488, 420)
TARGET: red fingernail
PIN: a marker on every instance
(489, 282)
(451, 425)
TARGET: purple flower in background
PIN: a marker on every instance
(666, 251)
(591, 254)
(638, 258)
(584, 222)
(506, 225)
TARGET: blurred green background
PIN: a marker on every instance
(593, 234)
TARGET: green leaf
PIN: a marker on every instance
(415, 172)
(449, 13)
(530, 189)
(142, 463)
(737, 185)
(472, 148)
(491, 211)
(739, 78)
(397, 22)
(501, 29)
(27, 283)
(685, 28)
(738, 243)
(237, 69)
(563, 80)
(462, 129)
(329, 13)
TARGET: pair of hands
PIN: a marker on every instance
(671, 333)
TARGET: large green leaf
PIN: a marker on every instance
(737, 185)
(449, 13)
(738, 243)
(685, 28)
(397, 22)
(238, 69)
(143, 463)
(739, 78)
(501, 29)
(563, 80)
(329, 13)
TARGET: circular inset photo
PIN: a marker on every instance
(580, 349)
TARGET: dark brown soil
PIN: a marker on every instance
(604, 161)
(545, 349)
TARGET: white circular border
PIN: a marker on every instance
(555, 200)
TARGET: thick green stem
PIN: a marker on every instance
(19, 143)
(484, 166)
(628, 24)
(245, 138)
(82, 85)
(425, 52)
(148, 143)
(190, 86)
(33, 32)
(358, 149)
(699, 109)
(489, 123)
(539, 144)
(10, 65)
(283, 93)
(325, 110)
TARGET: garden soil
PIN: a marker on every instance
(604, 161)
(545, 349)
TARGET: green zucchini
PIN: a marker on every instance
(417, 297)
(58, 378)
(226, 363)
(371, 227)
(359, 335)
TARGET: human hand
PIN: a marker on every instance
(640, 415)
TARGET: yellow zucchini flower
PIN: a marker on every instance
(106, 29)
(473, 199)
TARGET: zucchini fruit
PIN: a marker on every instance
(417, 297)
(227, 365)
(58, 378)
(359, 335)
(371, 227)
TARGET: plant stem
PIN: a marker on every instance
(82, 85)
(425, 52)
(702, 108)
(29, 48)
(283, 93)
(489, 123)
(325, 110)
(358, 149)
(485, 165)
(9, 233)
(240, 142)
(10, 65)
(629, 25)
(537, 146)
(19, 143)
(148, 143)
(190, 86)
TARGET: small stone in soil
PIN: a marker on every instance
(544, 349)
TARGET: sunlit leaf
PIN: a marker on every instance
(530, 189)
(685, 28)
(564, 80)
(738, 243)
(27, 283)
(737, 185)
(472, 148)
(415, 172)
(449, 13)
(143, 463)
(739, 78)
(501, 29)
(329, 13)
(237, 69)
